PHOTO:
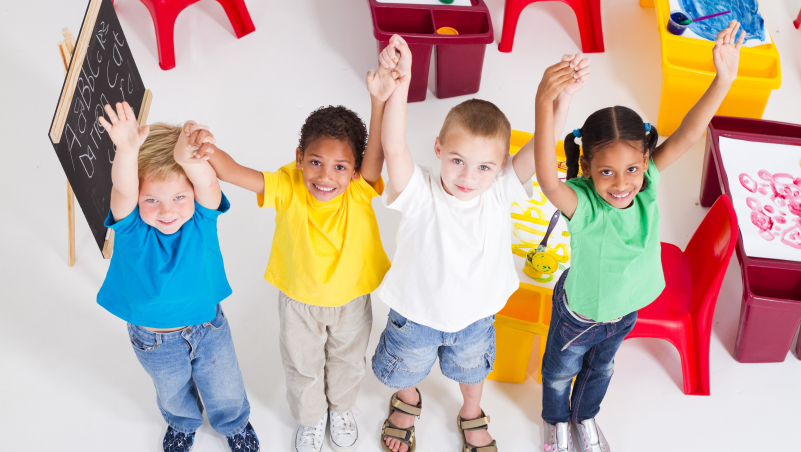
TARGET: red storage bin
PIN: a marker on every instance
(459, 58)
(771, 306)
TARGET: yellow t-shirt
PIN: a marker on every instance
(323, 253)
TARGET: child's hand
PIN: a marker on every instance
(124, 129)
(397, 57)
(195, 144)
(582, 67)
(382, 83)
(726, 53)
(555, 79)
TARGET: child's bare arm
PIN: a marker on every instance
(726, 56)
(554, 81)
(400, 166)
(127, 136)
(524, 160)
(381, 84)
(194, 162)
(373, 160)
(228, 170)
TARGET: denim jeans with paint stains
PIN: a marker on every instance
(590, 358)
(198, 360)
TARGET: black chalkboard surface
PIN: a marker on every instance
(102, 71)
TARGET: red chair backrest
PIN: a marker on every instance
(709, 252)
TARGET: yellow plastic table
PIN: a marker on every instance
(688, 71)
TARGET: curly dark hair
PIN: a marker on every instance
(338, 123)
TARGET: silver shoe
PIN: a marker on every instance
(589, 436)
(558, 438)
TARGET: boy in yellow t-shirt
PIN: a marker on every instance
(326, 258)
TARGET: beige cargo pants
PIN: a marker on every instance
(323, 351)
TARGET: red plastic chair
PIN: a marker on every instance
(588, 15)
(164, 13)
(797, 21)
(682, 315)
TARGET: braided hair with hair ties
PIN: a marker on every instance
(604, 128)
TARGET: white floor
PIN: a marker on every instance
(69, 380)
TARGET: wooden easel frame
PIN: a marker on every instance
(66, 48)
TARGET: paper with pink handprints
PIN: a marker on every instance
(765, 183)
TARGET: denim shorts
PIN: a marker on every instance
(407, 351)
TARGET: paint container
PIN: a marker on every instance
(447, 31)
(674, 22)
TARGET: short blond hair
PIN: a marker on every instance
(480, 119)
(156, 159)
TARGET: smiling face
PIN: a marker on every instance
(167, 204)
(469, 164)
(618, 172)
(328, 167)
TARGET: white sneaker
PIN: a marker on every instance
(344, 433)
(310, 439)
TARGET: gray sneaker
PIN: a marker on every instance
(558, 438)
(589, 436)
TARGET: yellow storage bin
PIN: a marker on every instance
(526, 315)
(688, 71)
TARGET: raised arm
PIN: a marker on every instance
(196, 166)
(381, 84)
(524, 160)
(726, 56)
(400, 166)
(229, 171)
(127, 136)
(554, 81)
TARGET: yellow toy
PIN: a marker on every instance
(541, 265)
(542, 262)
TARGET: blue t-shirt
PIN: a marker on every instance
(165, 281)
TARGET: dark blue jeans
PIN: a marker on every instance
(590, 358)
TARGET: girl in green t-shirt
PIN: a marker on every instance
(613, 219)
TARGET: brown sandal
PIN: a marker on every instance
(474, 424)
(404, 435)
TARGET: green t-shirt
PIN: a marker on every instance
(616, 262)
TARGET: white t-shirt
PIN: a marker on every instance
(453, 264)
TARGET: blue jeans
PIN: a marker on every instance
(590, 358)
(197, 359)
(407, 351)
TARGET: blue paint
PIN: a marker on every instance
(674, 24)
(744, 11)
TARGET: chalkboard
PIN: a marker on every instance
(102, 71)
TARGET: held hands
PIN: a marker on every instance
(582, 67)
(397, 57)
(195, 144)
(124, 129)
(568, 76)
(382, 83)
(726, 53)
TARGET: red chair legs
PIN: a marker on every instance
(511, 14)
(164, 16)
(164, 13)
(588, 16)
(239, 17)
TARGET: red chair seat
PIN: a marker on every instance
(683, 313)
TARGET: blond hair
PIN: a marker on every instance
(480, 119)
(156, 160)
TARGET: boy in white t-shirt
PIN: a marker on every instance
(453, 267)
